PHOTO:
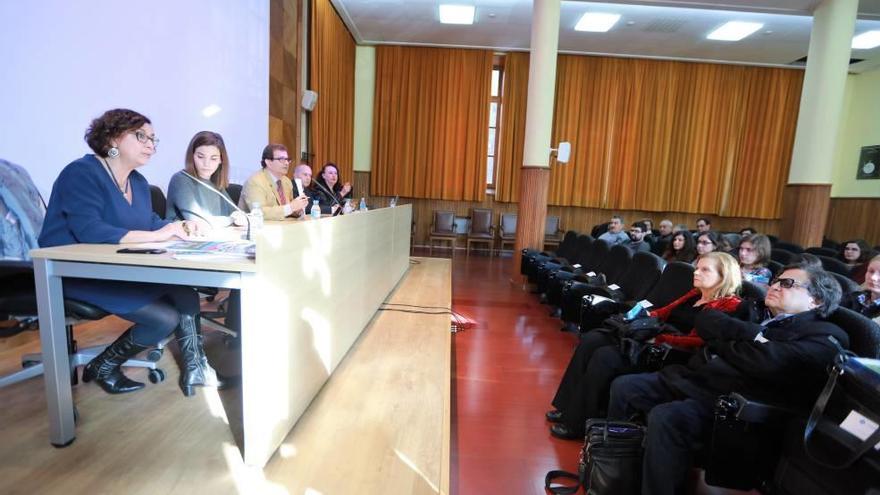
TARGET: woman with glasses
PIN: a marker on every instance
(328, 191)
(271, 188)
(583, 392)
(102, 199)
(867, 301)
(707, 242)
(198, 192)
(681, 248)
(754, 255)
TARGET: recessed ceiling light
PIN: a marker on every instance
(866, 40)
(595, 22)
(734, 31)
(456, 14)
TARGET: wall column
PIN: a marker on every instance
(539, 124)
(808, 194)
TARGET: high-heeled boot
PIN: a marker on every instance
(195, 370)
(105, 368)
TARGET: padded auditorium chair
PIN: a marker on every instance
(760, 445)
(834, 265)
(775, 267)
(531, 259)
(507, 230)
(481, 229)
(847, 285)
(752, 291)
(581, 258)
(442, 229)
(789, 246)
(783, 256)
(821, 251)
(157, 198)
(831, 244)
(611, 267)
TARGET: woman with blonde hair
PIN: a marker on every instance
(867, 301)
(598, 360)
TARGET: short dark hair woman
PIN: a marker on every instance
(101, 199)
(328, 191)
(681, 247)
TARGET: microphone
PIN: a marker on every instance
(332, 194)
(215, 191)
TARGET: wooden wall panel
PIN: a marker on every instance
(285, 27)
(804, 213)
(854, 218)
(576, 218)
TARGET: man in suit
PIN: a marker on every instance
(303, 172)
(782, 359)
(271, 188)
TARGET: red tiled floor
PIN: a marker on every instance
(506, 371)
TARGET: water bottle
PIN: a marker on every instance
(347, 208)
(393, 202)
(363, 205)
(316, 209)
(256, 216)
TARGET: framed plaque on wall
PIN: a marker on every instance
(869, 163)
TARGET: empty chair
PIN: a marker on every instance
(532, 258)
(442, 229)
(552, 231)
(822, 251)
(830, 244)
(616, 264)
(234, 192)
(481, 229)
(789, 246)
(507, 230)
(676, 280)
(582, 252)
(834, 265)
(783, 256)
(157, 198)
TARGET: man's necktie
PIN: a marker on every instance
(281, 193)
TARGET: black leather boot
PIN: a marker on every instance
(105, 368)
(195, 370)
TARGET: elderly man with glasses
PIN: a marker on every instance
(271, 188)
(781, 355)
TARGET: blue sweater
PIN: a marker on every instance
(86, 207)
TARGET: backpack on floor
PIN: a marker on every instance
(610, 462)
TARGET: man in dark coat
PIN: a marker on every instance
(784, 358)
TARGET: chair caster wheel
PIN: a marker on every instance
(154, 355)
(156, 376)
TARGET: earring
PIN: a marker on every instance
(113, 152)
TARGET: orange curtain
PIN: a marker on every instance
(666, 136)
(331, 75)
(431, 123)
(509, 158)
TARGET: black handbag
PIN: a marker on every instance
(595, 309)
(610, 461)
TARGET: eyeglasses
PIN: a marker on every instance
(142, 137)
(283, 159)
(706, 243)
(787, 283)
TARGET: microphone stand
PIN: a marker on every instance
(331, 193)
(215, 191)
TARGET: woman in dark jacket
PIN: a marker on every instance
(583, 392)
(328, 191)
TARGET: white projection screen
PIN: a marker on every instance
(188, 65)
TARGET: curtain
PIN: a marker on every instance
(509, 157)
(331, 75)
(656, 135)
(431, 123)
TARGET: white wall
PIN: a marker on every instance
(64, 62)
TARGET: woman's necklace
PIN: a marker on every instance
(124, 190)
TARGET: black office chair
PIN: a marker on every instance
(18, 299)
(157, 198)
(234, 192)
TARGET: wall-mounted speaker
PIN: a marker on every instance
(309, 99)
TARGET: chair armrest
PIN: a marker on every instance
(753, 411)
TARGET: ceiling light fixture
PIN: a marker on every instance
(595, 22)
(866, 40)
(456, 14)
(734, 31)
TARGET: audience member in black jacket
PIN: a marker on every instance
(783, 358)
